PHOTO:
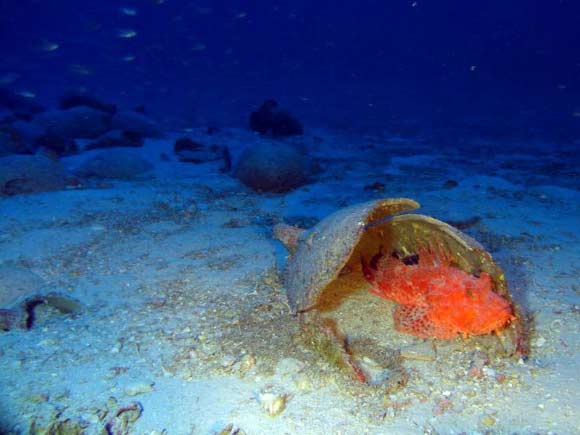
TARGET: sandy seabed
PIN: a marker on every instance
(185, 328)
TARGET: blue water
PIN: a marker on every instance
(505, 68)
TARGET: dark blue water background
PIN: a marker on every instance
(499, 68)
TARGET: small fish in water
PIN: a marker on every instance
(129, 11)
(27, 94)
(126, 33)
(241, 15)
(129, 58)
(48, 46)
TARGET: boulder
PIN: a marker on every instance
(117, 138)
(70, 100)
(30, 173)
(190, 151)
(186, 144)
(61, 146)
(8, 144)
(115, 164)
(136, 122)
(77, 122)
(273, 167)
(27, 132)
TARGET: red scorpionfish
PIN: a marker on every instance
(436, 299)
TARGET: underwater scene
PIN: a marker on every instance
(289, 217)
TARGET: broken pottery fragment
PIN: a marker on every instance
(324, 269)
(21, 291)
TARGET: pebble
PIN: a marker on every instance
(139, 388)
(421, 352)
(488, 420)
(273, 403)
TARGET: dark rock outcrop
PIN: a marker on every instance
(70, 100)
(270, 119)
